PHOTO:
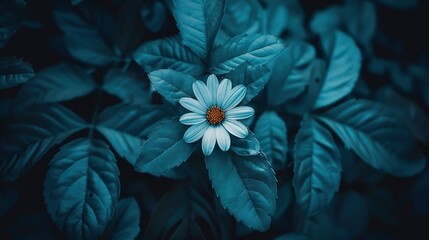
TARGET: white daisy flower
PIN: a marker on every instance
(215, 113)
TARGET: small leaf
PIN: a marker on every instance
(247, 146)
(126, 127)
(256, 49)
(198, 22)
(164, 149)
(376, 136)
(154, 16)
(327, 20)
(30, 134)
(271, 132)
(246, 187)
(317, 169)
(291, 73)
(172, 85)
(12, 13)
(14, 71)
(82, 188)
(125, 222)
(360, 20)
(58, 83)
(168, 53)
(343, 70)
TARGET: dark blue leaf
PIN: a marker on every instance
(59, 83)
(376, 136)
(154, 16)
(271, 132)
(360, 20)
(317, 167)
(29, 135)
(420, 194)
(126, 127)
(168, 53)
(246, 187)
(198, 22)
(75, 2)
(327, 20)
(12, 13)
(381, 204)
(247, 146)
(82, 188)
(164, 149)
(292, 236)
(353, 215)
(256, 49)
(343, 70)
(14, 71)
(125, 222)
(172, 85)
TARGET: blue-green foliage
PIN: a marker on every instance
(125, 222)
(14, 71)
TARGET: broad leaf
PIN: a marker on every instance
(376, 136)
(172, 85)
(291, 73)
(29, 135)
(256, 49)
(164, 149)
(126, 127)
(14, 71)
(254, 78)
(343, 70)
(198, 22)
(317, 169)
(12, 13)
(247, 146)
(271, 132)
(82, 188)
(246, 187)
(168, 53)
(59, 83)
(125, 222)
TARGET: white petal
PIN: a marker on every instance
(209, 140)
(192, 118)
(223, 139)
(235, 96)
(240, 112)
(202, 93)
(222, 91)
(195, 132)
(212, 85)
(236, 128)
(192, 105)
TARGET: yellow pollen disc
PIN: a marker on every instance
(215, 115)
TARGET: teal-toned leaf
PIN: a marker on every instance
(168, 53)
(376, 136)
(27, 136)
(172, 85)
(292, 236)
(353, 215)
(343, 70)
(360, 20)
(198, 22)
(128, 86)
(399, 4)
(271, 132)
(256, 49)
(164, 149)
(82, 188)
(126, 127)
(154, 16)
(125, 222)
(59, 83)
(12, 13)
(247, 146)
(254, 78)
(327, 21)
(317, 169)
(14, 71)
(75, 2)
(291, 73)
(246, 187)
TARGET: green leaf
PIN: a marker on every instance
(376, 136)
(172, 85)
(126, 127)
(198, 22)
(12, 13)
(254, 78)
(164, 149)
(256, 49)
(125, 222)
(59, 83)
(247, 146)
(343, 70)
(14, 71)
(168, 53)
(82, 188)
(246, 187)
(27, 136)
(271, 132)
(317, 169)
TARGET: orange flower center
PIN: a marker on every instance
(215, 115)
